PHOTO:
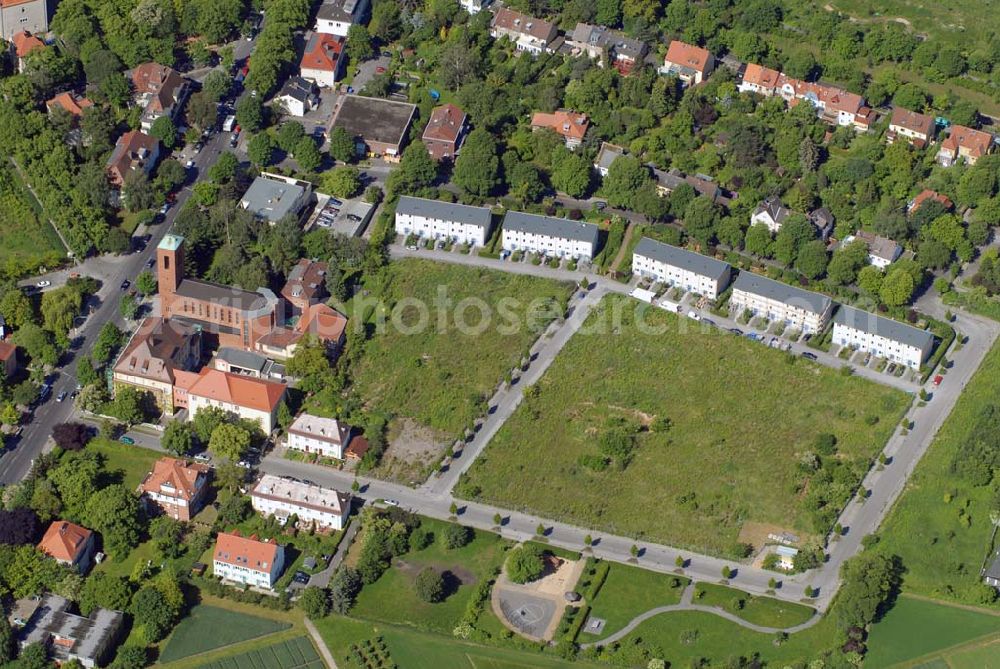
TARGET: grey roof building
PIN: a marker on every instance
(594, 39)
(992, 574)
(781, 292)
(47, 620)
(298, 88)
(865, 321)
(273, 198)
(606, 156)
(480, 217)
(550, 226)
(683, 259)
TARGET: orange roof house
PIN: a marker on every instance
(160, 91)
(74, 104)
(323, 59)
(444, 131)
(24, 43)
(963, 142)
(247, 559)
(133, 151)
(177, 487)
(916, 128)
(572, 126)
(8, 358)
(690, 63)
(928, 194)
(69, 544)
(245, 396)
(760, 79)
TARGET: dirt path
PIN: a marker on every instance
(626, 240)
(320, 644)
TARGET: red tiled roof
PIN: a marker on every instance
(178, 474)
(761, 76)
(322, 53)
(975, 142)
(234, 549)
(25, 43)
(445, 124)
(71, 103)
(912, 121)
(322, 321)
(7, 351)
(928, 194)
(159, 81)
(508, 19)
(687, 55)
(243, 391)
(64, 540)
(567, 123)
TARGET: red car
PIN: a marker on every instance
(938, 379)
(380, 70)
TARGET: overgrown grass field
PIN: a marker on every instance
(26, 238)
(297, 653)
(742, 418)
(440, 377)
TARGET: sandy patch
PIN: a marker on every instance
(756, 534)
(412, 449)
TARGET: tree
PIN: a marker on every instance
(808, 155)
(108, 339)
(167, 535)
(342, 146)
(224, 169)
(8, 643)
(342, 182)
(700, 219)
(625, 177)
(812, 259)
(288, 135)
(152, 613)
(178, 437)
(70, 436)
(870, 280)
(102, 590)
(37, 343)
(526, 182)
(429, 585)
(456, 536)
(869, 581)
(260, 149)
(216, 85)
(145, 283)
(571, 174)
(131, 406)
(250, 113)
(229, 442)
(206, 420)
(897, 287)
(18, 526)
(344, 587)
(59, 308)
(164, 130)
(477, 167)
(138, 192)
(416, 170)
(525, 563)
(359, 43)
(315, 602)
(307, 154)
(130, 657)
(202, 110)
(16, 308)
(114, 512)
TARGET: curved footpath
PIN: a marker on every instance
(686, 605)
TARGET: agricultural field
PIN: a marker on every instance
(916, 629)
(711, 430)
(297, 653)
(227, 627)
(940, 527)
(27, 240)
(437, 378)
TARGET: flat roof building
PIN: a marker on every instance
(272, 197)
(381, 125)
(47, 620)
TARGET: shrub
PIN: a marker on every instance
(525, 563)
(429, 585)
(456, 536)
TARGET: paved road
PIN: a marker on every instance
(16, 462)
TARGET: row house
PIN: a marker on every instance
(691, 271)
(326, 437)
(691, 64)
(159, 90)
(965, 143)
(559, 237)
(570, 125)
(335, 17)
(832, 104)
(247, 560)
(176, 488)
(796, 308)
(883, 337)
(911, 126)
(599, 42)
(324, 508)
(528, 34)
(431, 219)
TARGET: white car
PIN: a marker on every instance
(43, 284)
(203, 457)
(390, 502)
(189, 164)
(694, 316)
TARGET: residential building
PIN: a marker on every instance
(176, 487)
(247, 397)
(796, 308)
(771, 213)
(691, 64)
(432, 219)
(323, 59)
(598, 42)
(882, 251)
(8, 359)
(896, 342)
(380, 126)
(272, 197)
(761, 80)
(159, 91)
(157, 351)
(24, 43)
(323, 508)
(47, 620)
(18, 16)
(474, 6)
(297, 96)
(444, 132)
(691, 271)
(247, 363)
(335, 17)
(327, 437)
(71, 103)
(928, 194)
(69, 544)
(247, 560)
(305, 285)
(570, 125)
(550, 236)
(963, 142)
(823, 220)
(134, 151)
(606, 156)
(529, 34)
(916, 128)
(667, 181)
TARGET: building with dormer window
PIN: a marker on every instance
(247, 560)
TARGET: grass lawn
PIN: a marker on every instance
(297, 653)
(941, 555)
(629, 591)
(424, 650)
(392, 598)
(26, 237)
(764, 611)
(129, 463)
(742, 416)
(439, 378)
(209, 627)
(914, 628)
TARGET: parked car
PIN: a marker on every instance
(189, 164)
(164, 209)
(390, 502)
(379, 70)
(938, 379)
(694, 315)
(736, 331)
(808, 355)
(150, 263)
(203, 457)
(708, 322)
(411, 247)
(61, 396)
(125, 284)
(127, 440)
(43, 284)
